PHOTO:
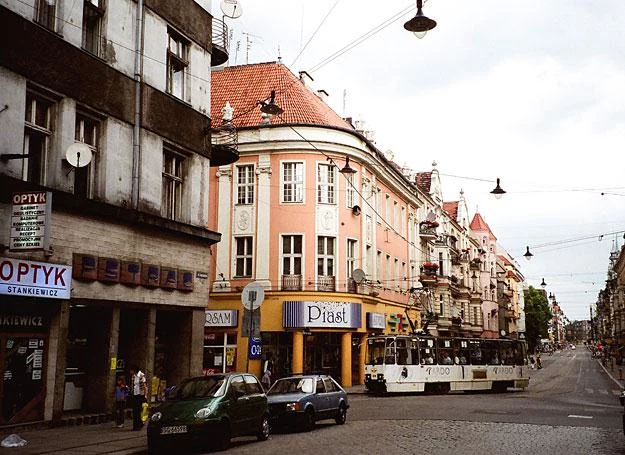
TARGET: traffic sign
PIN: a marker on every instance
(252, 295)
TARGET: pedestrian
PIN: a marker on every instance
(121, 393)
(532, 362)
(266, 379)
(539, 364)
(139, 396)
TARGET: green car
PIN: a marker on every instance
(206, 411)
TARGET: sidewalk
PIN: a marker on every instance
(100, 438)
(79, 440)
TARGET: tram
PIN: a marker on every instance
(423, 363)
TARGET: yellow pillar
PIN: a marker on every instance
(298, 353)
(346, 359)
(362, 357)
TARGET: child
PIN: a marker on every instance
(121, 392)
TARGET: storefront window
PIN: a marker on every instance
(220, 350)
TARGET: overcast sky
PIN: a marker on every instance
(530, 92)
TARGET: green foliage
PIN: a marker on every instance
(537, 316)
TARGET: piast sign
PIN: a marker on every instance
(313, 313)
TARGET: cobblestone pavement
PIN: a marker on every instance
(438, 437)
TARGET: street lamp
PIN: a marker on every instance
(420, 24)
(543, 284)
(270, 107)
(527, 254)
(498, 191)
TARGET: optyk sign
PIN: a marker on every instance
(35, 279)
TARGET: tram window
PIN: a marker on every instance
(402, 352)
(426, 351)
(477, 357)
(389, 353)
(375, 349)
(518, 352)
(490, 351)
(507, 353)
(462, 352)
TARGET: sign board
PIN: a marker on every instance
(221, 318)
(30, 221)
(376, 320)
(252, 295)
(322, 314)
(255, 348)
(35, 279)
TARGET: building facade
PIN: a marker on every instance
(104, 156)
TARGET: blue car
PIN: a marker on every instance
(303, 400)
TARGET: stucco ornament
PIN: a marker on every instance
(244, 221)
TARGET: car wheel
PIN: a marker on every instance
(309, 420)
(341, 415)
(223, 437)
(265, 428)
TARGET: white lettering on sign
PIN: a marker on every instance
(38, 279)
(327, 314)
(30, 217)
(220, 318)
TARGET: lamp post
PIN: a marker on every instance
(420, 24)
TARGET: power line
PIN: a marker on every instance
(315, 32)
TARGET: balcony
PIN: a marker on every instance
(224, 145)
(326, 283)
(219, 49)
(291, 282)
(352, 286)
(427, 232)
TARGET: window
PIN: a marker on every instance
(351, 256)
(177, 64)
(172, 184)
(245, 184)
(389, 271)
(219, 352)
(325, 256)
(244, 256)
(87, 131)
(441, 305)
(292, 182)
(395, 220)
(45, 13)
(92, 15)
(326, 180)
(387, 210)
(37, 134)
(440, 263)
(350, 192)
(292, 254)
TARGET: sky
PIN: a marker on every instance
(532, 93)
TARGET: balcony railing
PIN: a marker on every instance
(326, 283)
(352, 286)
(220, 42)
(291, 282)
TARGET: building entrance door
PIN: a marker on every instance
(322, 354)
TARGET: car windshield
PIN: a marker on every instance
(206, 387)
(292, 385)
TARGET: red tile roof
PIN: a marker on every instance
(452, 209)
(244, 86)
(504, 259)
(478, 224)
(424, 180)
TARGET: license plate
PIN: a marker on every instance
(174, 430)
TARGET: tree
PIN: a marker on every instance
(537, 316)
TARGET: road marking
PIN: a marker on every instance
(603, 392)
(589, 391)
(573, 416)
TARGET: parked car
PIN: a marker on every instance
(206, 411)
(304, 400)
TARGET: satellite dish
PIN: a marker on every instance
(231, 8)
(358, 275)
(252, 295)
(78, 154)
(503, 333)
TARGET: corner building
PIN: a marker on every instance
(329, 226)
(127, 223)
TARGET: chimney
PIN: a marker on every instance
(305, 78)
(323, 95)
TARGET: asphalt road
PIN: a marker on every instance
(571, 407)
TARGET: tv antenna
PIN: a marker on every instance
(78, 154)
(248, 45)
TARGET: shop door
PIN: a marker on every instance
(22, 393)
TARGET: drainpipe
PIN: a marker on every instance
(136, 134)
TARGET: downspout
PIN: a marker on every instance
(136, 133)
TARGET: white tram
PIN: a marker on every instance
(417, 363)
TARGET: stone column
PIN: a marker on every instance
(298, 353)
(55, 375)
(263, 217)
(346, 359)
(224, 210)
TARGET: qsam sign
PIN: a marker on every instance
(35, 279)
(30, 221)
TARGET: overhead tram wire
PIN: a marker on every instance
(362, 38)
(315, 32)
(362, 197)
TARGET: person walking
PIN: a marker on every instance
(139, 396)
(539, 364)
(121, 392)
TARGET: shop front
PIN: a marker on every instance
(220, 341)
(30, 303)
